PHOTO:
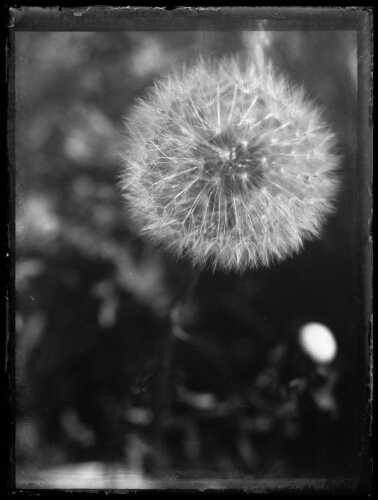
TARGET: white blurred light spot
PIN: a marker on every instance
(318, 342)
(139, 416)
(37, 218)
(149, 57)
(76, 146)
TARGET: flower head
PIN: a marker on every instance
(229, 164)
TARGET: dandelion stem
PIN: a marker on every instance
(164, 399)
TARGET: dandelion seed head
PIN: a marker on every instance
(229, 165)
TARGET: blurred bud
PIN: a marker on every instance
(228, 164)
(318, 342)
(258, 43)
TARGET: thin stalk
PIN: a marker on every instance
(164, 392)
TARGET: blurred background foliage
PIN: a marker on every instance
(93, 298)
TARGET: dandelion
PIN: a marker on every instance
(229, 164)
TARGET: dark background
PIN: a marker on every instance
(93, 298)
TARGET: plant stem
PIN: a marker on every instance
(164, 396)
